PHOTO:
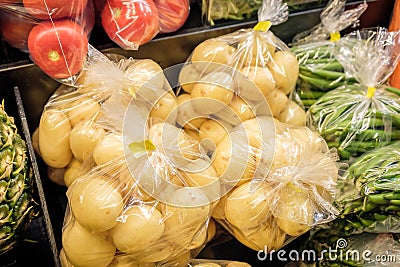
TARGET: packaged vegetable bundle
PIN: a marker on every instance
(369, 198)
(357, 250)
(53, 32)
(359, 117)
(257, 71)
(319, 70)
(77, 121)
(286, 185)
(132, 23)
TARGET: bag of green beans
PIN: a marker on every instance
(356, 118)
(319, 71)
(369, 194)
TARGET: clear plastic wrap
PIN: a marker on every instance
(254, 64)
(359, 117)
(130, 23)
(369, 198)
(172, 14)
(54, 33)
(279, 196)
(319, 70)
(77, 122)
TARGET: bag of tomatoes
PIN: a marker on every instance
(132, 23)
(55, 33)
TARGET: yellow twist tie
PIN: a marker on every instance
(335, 36)
(371, 92)
(295, 188)
(142, 147)
(263, 26)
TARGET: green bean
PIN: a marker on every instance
(321, 83)
(380, 217)
(378, 199)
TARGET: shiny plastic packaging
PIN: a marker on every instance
(359, 117)
(54, 33)
(319, 70)
(257, 71)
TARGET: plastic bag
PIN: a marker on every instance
(290, 190)
(319, 70)
(130, 23)
(172, 14)
(256, 69)
(368, 199)
(359, 117)
(356, 250)
(55, 33)
(77, 122)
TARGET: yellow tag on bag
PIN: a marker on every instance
(335, 36)
(262, 26)
(371, 92)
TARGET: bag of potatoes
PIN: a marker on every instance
(150, 205)
(85, 119)
(283, 181)
(253, 69)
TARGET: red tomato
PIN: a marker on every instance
(130, 23)
(56, 8)
(15, 28)
(59, 49)
(172, 14)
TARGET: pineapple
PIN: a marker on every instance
(16, 184)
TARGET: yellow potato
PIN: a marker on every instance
(95, 203)
(146, 78)
(234, 159)
(293, 114)
(56, 175)
(108, 148)
(124, 260)
(192, 133)
(238, 264)
(35, 141)
(211, 230)
(285, 70)
(242, 109)
(218, 213)
(294, 212)
(199, 239)
(180, 260)
(211, 51)
(277, 102)
(255, 51)
(214, 131)
(154, 253)
(254, 82)
(187, 116)
(266, 235)
(83, 109)
(86, 249)
(165, 108)
(84, 138)
(54, 133)
(137, 228)
(63, 259)
(72, 171)
(213, 94)
(188, 76)
(248, 205)
(207, 264)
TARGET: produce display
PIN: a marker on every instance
(53, 32)
(17, 206)
(319, 70)
(359, 117)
